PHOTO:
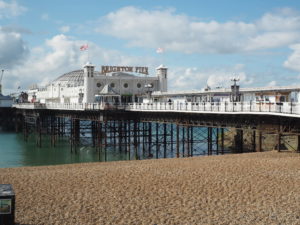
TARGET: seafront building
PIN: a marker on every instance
(112, 84)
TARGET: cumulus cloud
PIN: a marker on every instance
(10, 9)
(293, 60)
(13, 48)
(196, 79)
(179, 32)
(61, 54)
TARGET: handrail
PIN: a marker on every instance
(226, 107)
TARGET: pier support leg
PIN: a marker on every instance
(188, 141)
(105, 141)
(217, 140)
(39, 132)
(157, 140)
(209, 141)
(183, 141)
(192, 142)
(222, 141)
(278, 141)
(165, 140)
(253, 141)
(259, 141)
(150, 140)
(135, 141)
(177, 141)
(172, 140)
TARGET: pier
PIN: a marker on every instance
(161, 130)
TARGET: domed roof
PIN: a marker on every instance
(73, 78)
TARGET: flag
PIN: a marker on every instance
(84, 47)
(160, 50)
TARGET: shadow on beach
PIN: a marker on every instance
(23, 224)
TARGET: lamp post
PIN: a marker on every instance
(148, 87)
(80, 96)
(235, 90)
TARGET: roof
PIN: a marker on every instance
(75, 78)
(228, 90)
(107, 90)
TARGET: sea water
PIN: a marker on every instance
(15, 152)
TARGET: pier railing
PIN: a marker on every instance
(214, 107)
(224, 107)
(69, 106)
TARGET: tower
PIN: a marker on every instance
(161, 73)
(88, 80)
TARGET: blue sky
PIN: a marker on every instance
(204, 42)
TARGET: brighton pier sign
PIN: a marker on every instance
(109, 69)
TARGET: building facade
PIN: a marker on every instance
(89, 86)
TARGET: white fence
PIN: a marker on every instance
(223, 107)
(284, 108)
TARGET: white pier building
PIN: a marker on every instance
(113, 84)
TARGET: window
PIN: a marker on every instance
(99, 85)
(139, 85)
(112, 85)
(125, 85)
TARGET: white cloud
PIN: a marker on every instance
(13, 48)
(178, 32)
(10, 9)
(293, 60)
(196, 79)
(59, 55)
(272, 83)
(64, 29)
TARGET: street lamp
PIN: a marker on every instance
(80, 96)
(148, 87)
(235, 90)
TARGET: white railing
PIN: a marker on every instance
(223, 107)
(69, 106)
(239, 107)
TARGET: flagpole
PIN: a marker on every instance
(88, 54)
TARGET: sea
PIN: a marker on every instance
(15, 152)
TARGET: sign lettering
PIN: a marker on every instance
(109, 69)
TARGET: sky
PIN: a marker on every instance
(204, 42)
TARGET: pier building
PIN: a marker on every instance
(113, 84)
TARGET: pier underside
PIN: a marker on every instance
(160, 135)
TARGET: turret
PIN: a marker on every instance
(88, 80)
(161, 72)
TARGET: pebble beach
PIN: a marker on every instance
(252, 188)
